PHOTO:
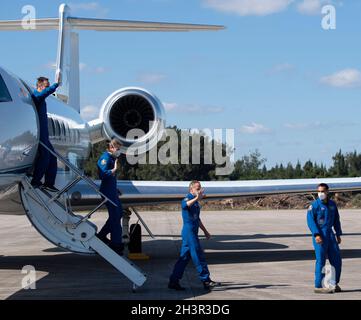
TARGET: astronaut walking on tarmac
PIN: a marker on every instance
(323, 219)
(107, 169)
(191, 247)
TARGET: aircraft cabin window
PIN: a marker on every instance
(72, 138)
(4, 92)
(51, 126)
(57, 128)
(63, 132)
(67, 130)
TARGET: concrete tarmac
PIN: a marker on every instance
(255, 254)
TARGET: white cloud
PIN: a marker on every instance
(347, 78)
(51, 65)
(170, 106)
(320, 125)
(82, 66)
(89, 112)
(295, 125)
(255, 128)
(191, 108)
(312, 7)
(281, 68)
(302, 126)
(89, 6)
(151, 78)
(100, 70)
(249, 7)
(214, 109)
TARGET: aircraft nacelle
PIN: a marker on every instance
(125, 113)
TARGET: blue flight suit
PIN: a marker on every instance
(46, 163)
(109, 188)
(321, 218)
(191, 247)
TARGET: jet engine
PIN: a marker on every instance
(132, 115)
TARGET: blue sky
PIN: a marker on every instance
(289, 88)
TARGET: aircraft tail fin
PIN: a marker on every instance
(68, 45)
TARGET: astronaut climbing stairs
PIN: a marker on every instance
(51, 214)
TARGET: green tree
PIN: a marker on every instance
(158, 171)
(251, 166)
(339, 167)
(248, 167)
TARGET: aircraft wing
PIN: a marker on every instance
(135, 193)
(105, 25)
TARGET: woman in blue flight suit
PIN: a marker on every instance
(107, 168)
(191, 247)
(322, 217)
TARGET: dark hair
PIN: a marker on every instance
(323, 185)
(41, 80)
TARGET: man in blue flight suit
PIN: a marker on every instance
(191, 247)
(322, 218)
(107, 168)
(46, 163)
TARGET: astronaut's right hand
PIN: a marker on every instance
(318, 239)
(200, 194)
(58, 77)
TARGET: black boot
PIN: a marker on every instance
(117, 248)
(36, 185)
(175, 286)
(50, 188)
(104, 239)
(210, 284)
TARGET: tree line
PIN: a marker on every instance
(249, 167)
(253, 166)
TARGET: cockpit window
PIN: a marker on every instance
(4, 92)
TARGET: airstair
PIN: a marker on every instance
(51, 214)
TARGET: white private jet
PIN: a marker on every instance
(72, 137)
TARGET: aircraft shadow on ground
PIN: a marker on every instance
(72, 276)
(252, 236)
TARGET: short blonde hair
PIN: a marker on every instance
(193, 182)
(114, 142)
